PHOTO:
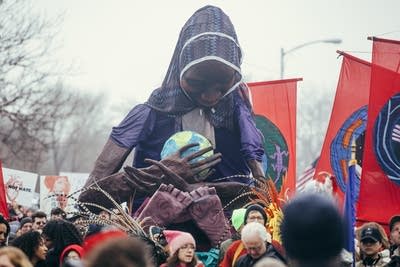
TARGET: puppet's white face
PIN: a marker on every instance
(207, 82)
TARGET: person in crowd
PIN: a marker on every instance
(394, 227)
(312, 231)
(30, 211)
(13, 257)
(253, 213)
(32, 244)
(25, 226)
(39, 220)
(4, 231)
(57, 213)
(77, 220)
(237, 221)
(373, 246)
(256, 213)
(257, 242)
(59, 234)
(182, 248)
(269, 262)
(71, 253)
(347, 258)
(15, 211)
(121, 251)
(203, 91)
(100, 237)
(14, 227)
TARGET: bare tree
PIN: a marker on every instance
(26, 110)
(77, 139)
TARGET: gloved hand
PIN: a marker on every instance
(172, 170)
(165, 206)
(206, 210)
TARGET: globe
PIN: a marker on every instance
(180, 139)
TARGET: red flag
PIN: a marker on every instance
(380, 183)
(347, 122)
(274, 103)
(3, 202)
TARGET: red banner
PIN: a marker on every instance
(3, 202)
(274, 103)
(380, 183)
(347, 123)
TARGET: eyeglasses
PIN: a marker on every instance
(255, 219)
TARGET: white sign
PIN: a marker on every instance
(19, 186)
(59, 191)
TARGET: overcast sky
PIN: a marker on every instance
(124, 46)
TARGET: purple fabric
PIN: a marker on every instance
(146, 130)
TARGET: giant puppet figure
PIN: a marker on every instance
(203, 92)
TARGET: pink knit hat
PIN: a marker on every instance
(177, 239)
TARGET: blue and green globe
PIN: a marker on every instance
(181, 139)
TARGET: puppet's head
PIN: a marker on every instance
(209, 57)
(204, 69)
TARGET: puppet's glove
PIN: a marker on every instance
(206, 210)
(146, 182)
(168, 204)
(186, 166)
(116, 187)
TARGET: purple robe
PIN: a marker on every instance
(146, 130)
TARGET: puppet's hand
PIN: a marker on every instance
(166, 205)
(173, 178)
(256, 169)
(147, 182)
(206, 210)
(142, 180)
(186, 168)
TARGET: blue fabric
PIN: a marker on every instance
(146, 130)
(350, 209)
(340, 150)
(386, 138)
(210, 258)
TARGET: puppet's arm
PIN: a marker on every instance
(256, 168)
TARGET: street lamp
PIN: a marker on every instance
(284, 53)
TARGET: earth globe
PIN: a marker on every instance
(181, 139)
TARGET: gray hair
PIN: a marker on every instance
(269, 262)
(254, 228)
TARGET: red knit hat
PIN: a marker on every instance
(99, 238)
(73, 247)
(177, 239)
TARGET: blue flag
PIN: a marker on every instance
(351, 196)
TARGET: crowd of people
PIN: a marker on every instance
(179, 203)
(312, 234)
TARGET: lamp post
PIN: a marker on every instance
(284, 53)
